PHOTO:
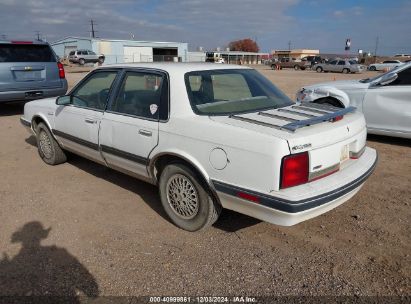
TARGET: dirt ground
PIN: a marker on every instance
(108, 235)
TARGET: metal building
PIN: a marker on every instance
(124, 51)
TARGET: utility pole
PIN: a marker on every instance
(289, 48)
(38, 35)
(376, 48)
(92, 32)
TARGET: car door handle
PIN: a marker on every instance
(90, 120)
(145, 132)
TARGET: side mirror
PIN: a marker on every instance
(63, 100)
(387, 78)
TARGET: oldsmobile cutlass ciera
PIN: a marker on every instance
(210, 137)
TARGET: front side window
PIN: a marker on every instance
(141, 95)
(341, 62)
(334, 62)
(228, 92)
(94, 91)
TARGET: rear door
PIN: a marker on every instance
(129, 128)
(388, 107)
(77, 124)
(27, 66)
(340, 66)
(331, 66)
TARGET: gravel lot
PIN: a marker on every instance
(109, 236)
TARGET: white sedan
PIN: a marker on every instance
(388, 64)
(211, 136)
(385, 100)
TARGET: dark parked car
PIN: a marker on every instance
(310, 61)
(29, 70)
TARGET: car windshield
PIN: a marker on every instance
(232, 91)
(372, 79)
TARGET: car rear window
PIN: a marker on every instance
(232, 91)
(26, 53)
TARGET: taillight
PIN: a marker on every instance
(62, 74)
(337, 118)
(294, 170)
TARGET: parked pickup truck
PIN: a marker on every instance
(210, 136)
(290, 63)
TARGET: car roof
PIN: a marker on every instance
(177, 67)
(28, 42)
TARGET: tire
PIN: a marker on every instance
(346, 71)
(319, 69)
(48, 148)
(330, 102)
(273, 67)
(372, 68)
(296, 67)
(174, 198)
(81, 61)
(101, 60)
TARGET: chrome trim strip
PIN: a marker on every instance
(257, 122)
(276, 116)
(318, 119)
(296, 113)
(310, 110)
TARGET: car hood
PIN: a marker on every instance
(342, 85)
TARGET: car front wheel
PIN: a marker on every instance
(48, 148)
(185, 200)
(319, 69)
(81, 61)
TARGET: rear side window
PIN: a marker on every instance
(71, 53)
(26, 53)
(141, 95)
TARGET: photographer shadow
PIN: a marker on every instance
(45, 273)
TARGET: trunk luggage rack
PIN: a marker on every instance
(317, 113)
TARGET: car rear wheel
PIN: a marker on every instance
(373, 68)
(185, 200)
(48, 148)
(81, 61)
(296, 67)
(345, 71)
(319, 69)
(101, 60)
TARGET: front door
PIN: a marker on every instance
(77, 124)
(129, 127)
(388, 107)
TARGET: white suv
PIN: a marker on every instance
(211, 136)
(85, 56)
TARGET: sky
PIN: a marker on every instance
(311, 24)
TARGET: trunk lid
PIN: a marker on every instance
(311, 128)
(26, 66)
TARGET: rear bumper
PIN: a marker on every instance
(21, 95)
(302, 202)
